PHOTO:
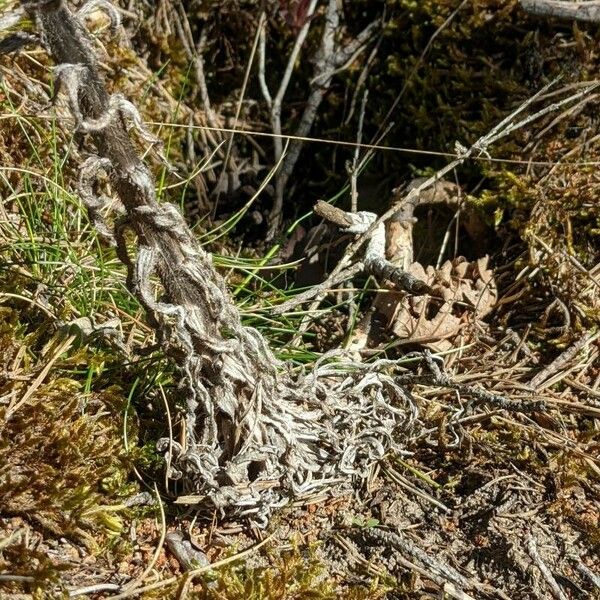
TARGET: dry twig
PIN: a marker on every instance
(532, 550)
(331, 58)
(374, 260)
(560, 9)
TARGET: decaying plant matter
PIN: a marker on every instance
(422, 308)
(256, 434)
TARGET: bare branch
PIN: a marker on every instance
(532, 550)
(344, 54)
(561, 9)
(354, 168)
(374, 261)
(285, 80)
(262, 51)
(362, 78)
(329, 59)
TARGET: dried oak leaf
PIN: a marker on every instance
(463, 293)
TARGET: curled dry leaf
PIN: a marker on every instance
(463, 293)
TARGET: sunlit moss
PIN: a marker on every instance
(63, 467)
(294, 574)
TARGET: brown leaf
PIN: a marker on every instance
(463, 293)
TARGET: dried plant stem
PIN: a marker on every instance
(255, 436)
(195, 55)
(329, 60)
(277, 102)
(539, 382)
(374, 261)
(532, 550)
(433, 568)
(354, 168)
(579, 11)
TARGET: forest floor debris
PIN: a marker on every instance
(495, 496)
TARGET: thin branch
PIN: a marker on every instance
(541, 380)
(285, 80)
(544, 569)
(354, 169)
(374, 261)
(362, 78)
(94, 589)
(560, 9)
(210, 113)
(262, 51)
(329, 59)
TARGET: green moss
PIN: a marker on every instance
(55, 461)
(63, 467)
(293, 574)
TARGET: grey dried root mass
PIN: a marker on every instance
(256, 435)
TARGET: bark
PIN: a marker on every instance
(560, 9)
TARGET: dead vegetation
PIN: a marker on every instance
(449, 443)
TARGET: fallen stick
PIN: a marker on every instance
(374, 261)
(560, 9)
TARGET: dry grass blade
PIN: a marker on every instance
(16, 405)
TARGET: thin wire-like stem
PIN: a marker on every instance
(277, 102)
